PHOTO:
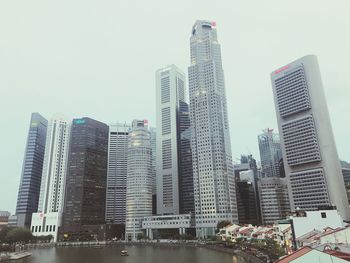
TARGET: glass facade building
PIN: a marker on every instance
(85, 199)
(29, 188)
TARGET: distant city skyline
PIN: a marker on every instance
(88, 66)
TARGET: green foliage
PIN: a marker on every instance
(222, 224)
(11, 235)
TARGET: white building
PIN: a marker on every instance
(174, 160)
(139, 179)
(117, 171)
(48, 218)
(315, 220)
(213, 177)
(310, 157)
(180, 222)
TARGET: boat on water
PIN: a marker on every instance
(124, 253)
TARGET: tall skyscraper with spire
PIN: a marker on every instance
(214, 184)
(310, 156)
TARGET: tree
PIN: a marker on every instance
(222, 224)
(18, 234)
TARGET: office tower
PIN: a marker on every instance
(345, 168)
(214, 184)
(85, 199)
(310, 157)
(270, 153)
(274, 199)
(117, 171)
(174, 158)
(139, 179)
(247, 203)
(153, 133)
(29, 188)
(52, 190)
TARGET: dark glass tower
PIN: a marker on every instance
(85, 200)
(29, 188)
(186, 197)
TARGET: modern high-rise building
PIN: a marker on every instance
(345, 168)
(139, 179)
(274, 199)
(214, 184)
(85, 198)
(52, 190)
(117, 173)
(29, 188)
(153, 132)
(310, 157)
(270, 153)
(174, 158)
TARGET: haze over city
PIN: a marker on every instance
(98, 59)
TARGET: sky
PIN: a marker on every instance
(98, 59)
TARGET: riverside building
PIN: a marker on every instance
(311, 160)
(213, 177)
(139, 179)
(29, 188)
(117, 173)
(85, 192)
(52, 190)
(174, 158)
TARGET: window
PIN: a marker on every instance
(323, 215)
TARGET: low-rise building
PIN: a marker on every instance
(4, 218)
(165, 223)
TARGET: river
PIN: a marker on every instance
(137, 254)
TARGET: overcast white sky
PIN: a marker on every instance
(98, 59)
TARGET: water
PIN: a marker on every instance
(142, 254)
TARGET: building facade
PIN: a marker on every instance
(174, 158)
(117, 172)
(345, 169)
(214, 184)
(85, 193)
(247, 203)
(270, 153)
(139, 179)
(29, 188)
(274, 199)
(52, 190)
(311, 160)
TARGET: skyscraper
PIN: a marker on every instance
(214, 184)
(29, 188)
(52, 189)
(153, 132)
(139, 179)
(85, 197)
(270, 153)
(174, 159)
(310, 157)
(117, 172)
